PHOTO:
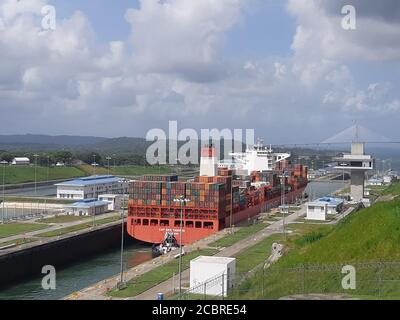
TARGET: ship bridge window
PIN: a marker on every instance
(164, 223)
(178, 223)
(145, 222)
(189, 224)
(208, 225)
(198, 224)
(137, 222)
(154, 222)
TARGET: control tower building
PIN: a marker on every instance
(358, 163)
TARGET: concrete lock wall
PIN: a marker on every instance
(26, 263)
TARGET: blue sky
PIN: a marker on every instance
(259, 64)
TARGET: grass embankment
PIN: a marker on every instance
(140, 170)
(158, 275)
(78, 227)
(369, 235)
(125, 170)
(24, 174)
(12, 229)
(37, 200)
(240, 234)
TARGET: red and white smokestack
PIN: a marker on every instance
(209, 161)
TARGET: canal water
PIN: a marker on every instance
(320, 189)
(80, 275)
(87, 273)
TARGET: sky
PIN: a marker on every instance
(286, 68)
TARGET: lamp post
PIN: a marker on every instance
(182, 200)
(4, 163)
(94, 164)
(121, 281)
(36, 156)
(108, 164)
(283, 206)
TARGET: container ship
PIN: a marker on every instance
(224, 194)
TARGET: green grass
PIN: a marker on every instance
(126, 170)
(140, 170)
(158, 275)
(12, 229)
(62, 219)
(240, 234)
(251, 257)
(36, 200)
(393, 189)
(78, 227)
(372, 234)
(23, 174)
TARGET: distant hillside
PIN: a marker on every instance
(46, 140)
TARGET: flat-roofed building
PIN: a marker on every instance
(320, 208)
(87, 207)
(21, 161)
(91, 187)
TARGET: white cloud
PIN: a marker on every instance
(182, 37)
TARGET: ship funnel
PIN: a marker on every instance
(208, 161)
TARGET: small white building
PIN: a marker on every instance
(388, 179)
(60, 164)
(320, 208)
(213, 276)
(115, 201)
(21, 161)
(87, 207)
(91, 187)
(375, 182)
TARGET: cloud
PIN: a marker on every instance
(172, 68)
(376, 38)
(182, 37)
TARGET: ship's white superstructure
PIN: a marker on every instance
(256, 158)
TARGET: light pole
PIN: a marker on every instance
(94, 164)
(108, 164)
(36, 156)
(182, 200)
(283, 206)
(121, 281)
(4, 163)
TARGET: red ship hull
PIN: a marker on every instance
(150, 226)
